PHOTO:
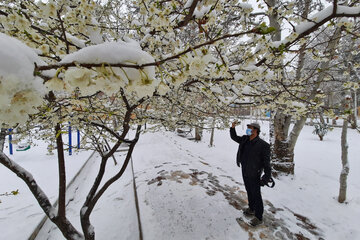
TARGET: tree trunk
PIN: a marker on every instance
(212, 133)
(299, 124)
(282, 158)
(353, 120)
(278, 137)
(322, 120)
(115, 123)
(334, 122)
(67, 229)
(356, 77)
(212, 137)
(321, 134)
(3, 134)
(62, 173)
(283, 155)
(271, 132)
(198, 133)
(345, 163)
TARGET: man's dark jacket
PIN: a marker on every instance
(254, 156)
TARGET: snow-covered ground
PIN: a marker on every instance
(188, 190)
(20, 214)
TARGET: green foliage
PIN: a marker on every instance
(279, 50)
(348, 111)
(12, 193)
(321, 130)
(15, 192)
(264, 29)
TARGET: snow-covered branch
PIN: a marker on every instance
(322, 17)
(67, 64)
(38, 193)
(314, 22)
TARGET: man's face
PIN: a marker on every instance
(253, 130)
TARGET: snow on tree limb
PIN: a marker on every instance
(317, 20)
(154, 63)
(20, 91)
(31, 183)
(119, 52)
(320, 18)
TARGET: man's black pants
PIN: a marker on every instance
(252, 186)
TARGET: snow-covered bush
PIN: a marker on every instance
(321, 129)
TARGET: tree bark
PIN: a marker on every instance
(274, 21)
(3, 134)
(212, 133)
(198, 133)
(212, 137)
(334, 122)
(345, 163)
(285, 151)
(280, 126)
(322, 121)
(299, 124)
(353, 118)
(62, 172)
(353, 121)
(282, 158)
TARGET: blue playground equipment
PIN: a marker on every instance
(70, 142)
(10, 142)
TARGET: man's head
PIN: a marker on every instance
(255, 127)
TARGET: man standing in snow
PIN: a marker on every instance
(254, 156)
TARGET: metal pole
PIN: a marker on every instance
(78, 139)
(70, 147)
(10, 142)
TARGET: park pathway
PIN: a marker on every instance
(187, 197)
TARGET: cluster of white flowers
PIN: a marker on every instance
(20, 91)
(160, 30)
(17, 21)
(21, 105)
(81, 78)
(109, 79)
(163, 88)
(352, 85)
(198, 65)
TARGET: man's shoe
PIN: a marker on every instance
(248, 212)
(255, 222)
